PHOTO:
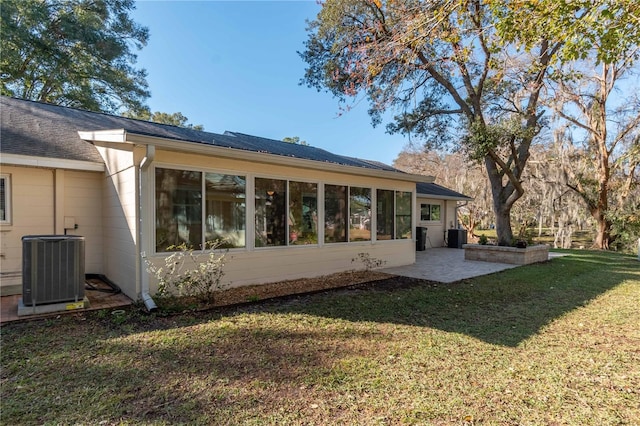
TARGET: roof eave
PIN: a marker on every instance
(444, 197)
(50, 163)
(226, 152)
(115, 135)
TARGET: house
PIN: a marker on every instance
(436, 210)
(133, 188)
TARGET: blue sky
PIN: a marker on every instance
(232, 65)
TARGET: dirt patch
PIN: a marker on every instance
(254, 293)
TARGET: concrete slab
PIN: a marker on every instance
(24, 310)
(446, 265)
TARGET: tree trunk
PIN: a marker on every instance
(503, 197)
(503, 223)
(603, 230)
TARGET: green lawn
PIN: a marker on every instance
(555, 343)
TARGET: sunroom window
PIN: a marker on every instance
(403, 215)
(359, 214)
(225, 209)
(385, 216)
(335, 214)
(303, 213)
(271, 211)
(185, 197)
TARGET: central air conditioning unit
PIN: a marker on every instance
(52, 269)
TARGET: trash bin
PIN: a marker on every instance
(456, 238)
(421, 238)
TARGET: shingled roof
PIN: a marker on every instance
(435, 190)
(43, 130)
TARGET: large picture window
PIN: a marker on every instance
(335, 214)
(271, 210)
(193, 207)
(385, 216)
(403, 215)
(178, 208)
(303, 213)
(225, 209)
(359, 214)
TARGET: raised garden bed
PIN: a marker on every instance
(502, 254)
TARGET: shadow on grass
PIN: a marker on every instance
(230, 366)
(208, 372)
(505, 308)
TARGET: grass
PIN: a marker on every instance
(554, 343)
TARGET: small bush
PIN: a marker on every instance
(183, 273)
(483, 240)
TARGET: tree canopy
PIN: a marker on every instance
(173, 119)
(294, 140)
(463, 73)
(76, 53)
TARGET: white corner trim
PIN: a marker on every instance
(51, 163)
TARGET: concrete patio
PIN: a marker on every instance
(446, 265)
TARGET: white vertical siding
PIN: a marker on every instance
(119, 219)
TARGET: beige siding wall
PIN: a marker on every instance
(436, 229)
(268, 265)
(264, 265)
(119, 219)
(83, 206)
(41, 199)
(32, 213)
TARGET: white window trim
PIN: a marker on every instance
(173, 166)
(430, 204)
(7, 202)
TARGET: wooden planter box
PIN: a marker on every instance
(512, 255)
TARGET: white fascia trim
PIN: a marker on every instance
(115, 135)
(443, 197)
(200, 148)
(50, 163)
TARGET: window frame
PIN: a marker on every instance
(431, 205)
(291, 226)
(287, 180)
(350, 196)
(250, 208)
(7, 199)
(205, 204)
(400, 195)
(203, 213)
(285, 237)
(345, 220)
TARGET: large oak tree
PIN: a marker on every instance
(453, 71)
(77, 53)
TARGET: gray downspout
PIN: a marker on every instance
(144, 280)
